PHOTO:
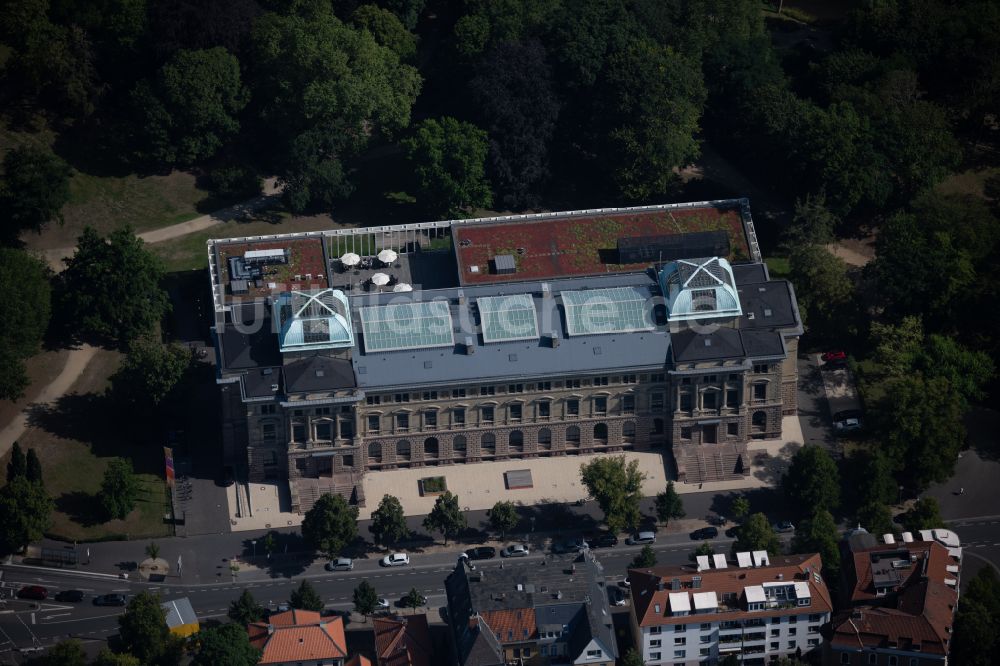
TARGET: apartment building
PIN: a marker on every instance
(537, 335)
(900, 597)
(300, 638)
(758, 609)
(531, 614)
(403, 640)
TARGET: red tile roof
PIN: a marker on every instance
(646, 597)
(515, 624)
(402, 641)
(567, 245)
(298, 635)
(358, 660)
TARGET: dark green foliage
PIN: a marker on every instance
(924, 515)
(143, 628)
(388, 522)
(234, 181)
(314, 175)
(632, 658)
(365, 598)
(704, 548)
(669, 504)
(407, 11)
(644, 559)
(108, 658)
(228, 645)
(757, 534)
(977, 622)
(617, 487)
(446, 517)
(330, 525)
(876, 518)
(150, 372)
(64, 653)
(306, 598)
(819, 534)
(414, 599)
(868, 479)
(33, 468)
(741, 508)
(25, 514)
(119, 488)
(504, 517)
(387, 30)
(823, 290)
(35, 186)
(812, 224)
(812, 481)
(111, 287)
(449, 159)
(245, 609)
(24, 317)
(967, 371)
(17, 466)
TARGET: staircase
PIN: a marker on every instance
(714, 462)
(305, 492)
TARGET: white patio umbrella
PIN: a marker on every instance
(387, 256)
(380, 279)
(350, 259)
(402, 286)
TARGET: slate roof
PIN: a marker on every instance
(318, 373)
(402, 641)
(247, 339)
(298, 635)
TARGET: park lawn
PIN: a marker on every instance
(74, 441)
(971, 181)
(778, 267)
(42, 369)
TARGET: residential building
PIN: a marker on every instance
(900, 596)
(403, 641)
(181, 618)
(300, 638)
(531, 614)
(535, 335)
(757, 608)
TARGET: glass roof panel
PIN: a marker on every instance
(506, 318)
(612, 310)
(407, 326)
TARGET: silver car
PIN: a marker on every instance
(340, 564)
(515, 550)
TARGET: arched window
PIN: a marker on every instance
(545, 438)
(375, 452)
(403, 449)
(573, 435)
(460, 446)
(628, 431)
(517, 441)
(601, 433)
(489, 442)
(657, 426)
(431, 447)
(759, 421)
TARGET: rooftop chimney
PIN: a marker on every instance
(470, 345)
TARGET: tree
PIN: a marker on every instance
(823, 289)
(812, 480)
(408, 11)
(868, 478)
(108, 658)
(647, 114)
(812, 224)
(270, 543)
(245, 609)
(449, 157)
(228, 645)
(875, 517)
(446, 516)
(111, 287)
(119, 488)
(632, 658)
(977, 621)
(414, 599)
(330, 525)
(645, 559)
(924, 515)
(819, 534)
(504, 517)
(388, 522)
(617, 487)
(757, 534)
(513, 96)
(387, 30)
(189, 111)
(142, 628)
(741, 508)
(25, 514)
(24, 317)
(365, 599)
(34, 189)
(150, 372)
(65, 653)
(705, 548)
(33, 468)
(669, 504)
(967, 371)
(17, 466)
(306, 598)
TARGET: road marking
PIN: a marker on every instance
(32, 618)
(49, 617)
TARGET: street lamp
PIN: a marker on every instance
(900, 499)
(532, 519)
(254, 544)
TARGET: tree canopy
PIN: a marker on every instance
(812, 481)
(446, 516)
(245, 609)
(756, 533)
(644, 559)
(24, 317)
(388, 522)
(449, 159)
(977, 621)
(504, 517)
(365, 598)
(617, 487)
(150, 372)
(143, 630)
(119, 488)
(305, 597)
(925, 514)
(228, 645)
(330, 525)
(819, 534)
(25, 514)
(669, 504)
(33, 190)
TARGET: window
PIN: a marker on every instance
(760, 391)
(489, 443)
(792, 619)
(403, 449)
(601, 433)
(430, 395)
(628, 379)
(686, 402)
(544, 386)
(680, 641)
(374, 399)
(573, 435)
(760, 368)
(791, 631)
(814, 630)
(628, 404)
(654, 656)
(526, 652)
(791, 645)
(657, 426)
(268, 409)
(545, 438)
(432, 449)
(600, 405)
(893, 660)
(487, 414)
(594, 654)
(573, 407)
(487, 390)
(656, 402)
(680, 654)
(686, 433)
(573, 383)
(815, 617)
(348, 462)
(544, 409)
(515, 412)
(268, 432)
(657, 377)
(375, 452)
(298, 432)
(628, 431)
(459, 445)
(458, 417)
(775, 645)
(656, 642)
(301, 464)
(655, 630)
(704, 652)
(431, 419)
(600, 381)
(710, 379)
(708, 400)
(685, 381)
(515, 388)
(402, 397)
(733, 429)
(680, 628)
(324, 431)
(732, 398)
(516, 441)
(402, 422)
(374, 423)
(458, 393)
(775, 633)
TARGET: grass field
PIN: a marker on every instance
(972, 181)
(74, 440)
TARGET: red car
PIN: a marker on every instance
(33, 592)
(835, 357)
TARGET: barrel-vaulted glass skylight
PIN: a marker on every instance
(699, 289)
(313, 319)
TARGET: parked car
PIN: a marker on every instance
(481, 553)
(617, 596)
(641, 538)
(70, 595)
(836, 357)
(395, 560)
(382, 604)
(847, 421)
(33, 592)
(784, 526)
(340, 564)
(515, 550)
(109, 600)
(715, 519)
(705, 533)
(733, 532)
(604, 540)
(569, 546)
